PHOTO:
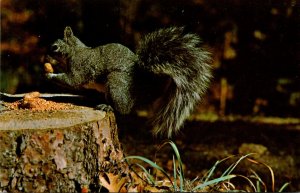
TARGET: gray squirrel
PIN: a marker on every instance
(170, 71)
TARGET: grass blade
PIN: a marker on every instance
(152, 164)
(233, 166)
(181, 172)
(270, 169)
(259, 181)
(180, 164)
(211, 170)
(148, 175)
(174, 174)
(284, 186)
(214, 181)
(250, 182)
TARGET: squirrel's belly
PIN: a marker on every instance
(100, 87)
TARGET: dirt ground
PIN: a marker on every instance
(201, 143)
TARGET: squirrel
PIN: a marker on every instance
(170, 69)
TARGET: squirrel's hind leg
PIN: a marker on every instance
(118, 91)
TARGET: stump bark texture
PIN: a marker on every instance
(58, 151)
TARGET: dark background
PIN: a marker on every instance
(255, 44)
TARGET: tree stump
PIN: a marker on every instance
(67, 150)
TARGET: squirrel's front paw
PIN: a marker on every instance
(54, 75)
(104, 107)
(50, 75)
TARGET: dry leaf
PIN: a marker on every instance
(115, 183)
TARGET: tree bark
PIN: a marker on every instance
(59, 151)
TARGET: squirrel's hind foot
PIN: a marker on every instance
(104, 107)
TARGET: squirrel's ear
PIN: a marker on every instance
(68, 32)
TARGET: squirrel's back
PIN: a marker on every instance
(172, 53)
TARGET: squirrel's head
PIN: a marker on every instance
(62, 49)
(68, 43)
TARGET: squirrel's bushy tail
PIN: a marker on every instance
(178, 55)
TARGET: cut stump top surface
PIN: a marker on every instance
(27, 119)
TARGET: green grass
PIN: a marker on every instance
(213, 180)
